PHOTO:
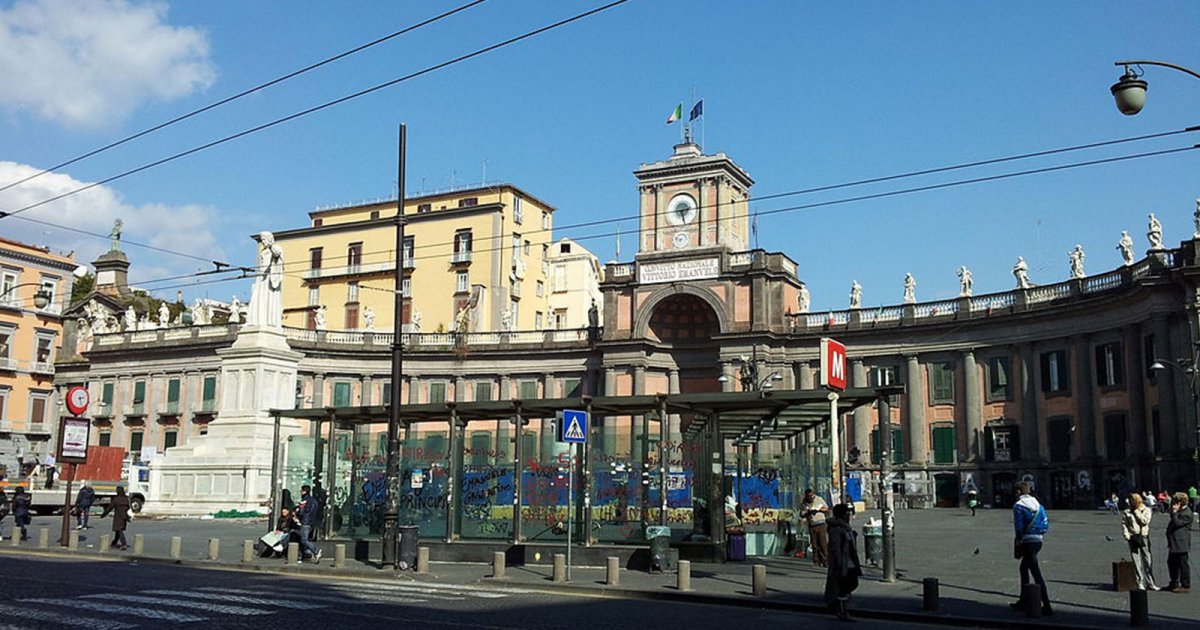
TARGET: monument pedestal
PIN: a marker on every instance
(230, 467)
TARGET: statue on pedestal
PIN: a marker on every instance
(266, 305)
(368, 318)
(855, 295)
(910, 289)
(115, 237)
(319, 317)
(164, 315)
(1154, 232)
(235, 311)
(966, 282)
(1076, 258)
(804, 300)
(1126, 247)
(1021, 272)
(130, 319)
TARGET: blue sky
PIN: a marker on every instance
(799, 94)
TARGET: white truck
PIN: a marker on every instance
(107, 467)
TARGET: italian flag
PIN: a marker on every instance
(676, 115)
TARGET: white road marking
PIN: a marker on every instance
(331, 596)
(416, 587)
(65, 619)
(222, 609)
(241, 599)
(116, 608)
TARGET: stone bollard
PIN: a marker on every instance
(139, 544)
(214, 548)
(73, 540)
(176, 548)
(614, 571)
(929, 594)
(247, 551)
(1031, 600)
(105, 542)
(498, 564)
(683, 577)
(760, 580)
(560, 567)
(339, 556)
(43, 538)
(1139, 608)
(293, 553)
(422, 559)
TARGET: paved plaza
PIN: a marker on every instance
(970, 556)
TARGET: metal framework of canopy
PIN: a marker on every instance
(742, 417)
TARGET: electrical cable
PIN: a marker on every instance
(230, 99)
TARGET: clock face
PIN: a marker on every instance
(77, 400)
(681, 210)
(681, 240)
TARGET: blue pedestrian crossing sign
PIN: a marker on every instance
(574, 426)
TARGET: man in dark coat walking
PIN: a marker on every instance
(844, 568)
(307, 513)
(1179, 541)
(83, 506)
(120, 508)
(20, 506)
(3, 509)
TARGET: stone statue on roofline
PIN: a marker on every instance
(804, 300)
(368, 318)
(164, 315)
(130, 319)
(1196, 219)
(1126, 247)
(1075, 256)
(320, 317)
(1021, 273)
(966, 282)
(235, 310)
(266, 303)
(115, 236)
(910, 289)
(855, 295)
(1154, 232)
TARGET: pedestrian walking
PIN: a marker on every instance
(814, 510)
(20, 508)
(83, 506)
(841, 579)
(120, 508)
(1030, 523)
(972, 501)
(1179, 541)
(1135, 526)
(3, 510)
(307, 513)
(50, 466)
(1194, 498)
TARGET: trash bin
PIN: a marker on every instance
(873, 535)
(660, 547)
(409, 537)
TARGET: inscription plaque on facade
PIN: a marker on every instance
(651, 273)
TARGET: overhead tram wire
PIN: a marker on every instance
(230, 99)
(825, 188)
(326, 105)
(299, 273)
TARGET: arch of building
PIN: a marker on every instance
(652, 317)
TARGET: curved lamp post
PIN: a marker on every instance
(1187, 367)
(1130, 90)
(41, 299)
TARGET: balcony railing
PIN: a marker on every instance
(350, 270)
(460, 257)
(38, 367)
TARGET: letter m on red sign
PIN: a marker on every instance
(833, 364)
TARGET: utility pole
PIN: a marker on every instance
(391, 515)
(885, 488)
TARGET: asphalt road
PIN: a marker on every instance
(114, 595)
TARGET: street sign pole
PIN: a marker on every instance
(570, 501)
(885, 488)
(835, 447)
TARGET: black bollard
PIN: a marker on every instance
(930, 594)
(1139, 608)
(1031, 600)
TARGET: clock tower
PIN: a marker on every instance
(692, 200)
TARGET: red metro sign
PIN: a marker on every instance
(833, 364)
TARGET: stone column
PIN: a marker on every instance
(1085, 396)
(414, 390)
(674, 432)
(914, 414)
(861, 429)
(1033, 448)
(366, 384)
(974, 407)
(460, 389)
(318, 390)
(610, 424)
(728, 385)
(806, 375)
(1135, 375)
(505, 392)
(1166, 384)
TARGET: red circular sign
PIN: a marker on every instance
(77, 400)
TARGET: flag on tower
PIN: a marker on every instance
(676, 115)
(697, 110)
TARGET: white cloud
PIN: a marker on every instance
(186, 229)
(85, 63)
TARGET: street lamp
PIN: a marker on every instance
(1130, 90)
(41, 299)
(748, 375)
(1188, 368)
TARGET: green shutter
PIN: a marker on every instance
(106, 438)
(170, 439)
(437, 392)
(341, 394)
(210, 388)
(173, 390)
(139, 392)
(943, 445)
(107, 397)
(135, 442)
(483, 391)
(481, 444)
(528, 390)
(571, 387)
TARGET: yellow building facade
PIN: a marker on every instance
(30, 339)
(483, 249)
